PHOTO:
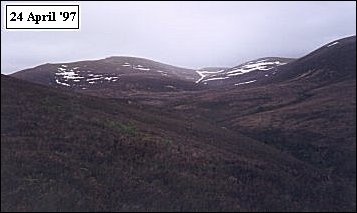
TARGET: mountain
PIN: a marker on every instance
(245, 73)
(330, 63)
(326, 64)
(129, 74)
(125, 73)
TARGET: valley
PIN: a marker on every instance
(132, 134)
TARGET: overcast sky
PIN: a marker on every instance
(187, 34)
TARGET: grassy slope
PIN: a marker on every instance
(63, 151)
(314, 123)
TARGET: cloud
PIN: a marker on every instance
(188, 34)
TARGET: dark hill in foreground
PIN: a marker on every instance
(70, 152)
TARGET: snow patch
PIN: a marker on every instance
(73, 77)
(247, 82)
(334, 43)
(204, 73)
(237, 73)
(141, 68)
(110, 78)
(68, 75)
(259, 65)
(64, 84)
(213, 79)
(93, 79)
(201, 76)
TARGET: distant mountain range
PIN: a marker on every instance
(130, 73)
(128, 70)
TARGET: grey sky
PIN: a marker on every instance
(187, 34)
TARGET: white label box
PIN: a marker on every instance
(45, 17)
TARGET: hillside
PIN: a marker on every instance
(330, 63)
(66, 151)
(124, 73)
(246, 73)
